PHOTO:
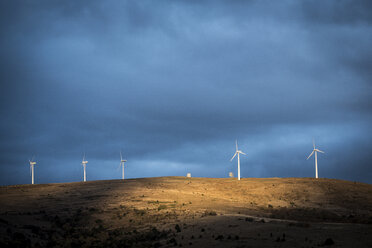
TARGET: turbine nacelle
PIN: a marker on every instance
(31, 161)
(121, 158)
(237, 152)
(314, 150)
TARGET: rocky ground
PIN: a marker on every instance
(188, 212)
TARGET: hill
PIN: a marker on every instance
(196, 212)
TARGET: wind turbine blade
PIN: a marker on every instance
(121, 157)
(30, 170)
(33, 158)
(319, 151)
(310, 155)
(242, 153)
(313, 143)
(233, 157)
(236, 144)
(84, 156)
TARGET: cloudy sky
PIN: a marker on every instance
(173, 84)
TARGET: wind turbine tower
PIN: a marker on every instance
(237, 152)
(32, 165)
(315, 151)
(84, 163)
(122, 161)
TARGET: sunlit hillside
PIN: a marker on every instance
(178, 211)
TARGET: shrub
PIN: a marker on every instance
(173, 241)
(162, 207)
(328, 241)
(139, 211)
(209, 212)
(219, 237)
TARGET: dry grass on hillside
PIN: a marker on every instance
(178, 211)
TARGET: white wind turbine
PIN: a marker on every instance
(84, 163)
(316, 158)
(32, 165)
(122, 161)
(238, 152)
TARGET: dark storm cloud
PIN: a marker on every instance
(174, 83)
(344, 12)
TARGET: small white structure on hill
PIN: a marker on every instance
(84, 164)
(122, 161)
(188, 175)
(237, 152)
(32, 166)
(315, 151)
(231, 174)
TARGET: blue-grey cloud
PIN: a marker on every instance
(174, 84)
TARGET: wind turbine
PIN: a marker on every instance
(238, 152)
(84, 163)
(32, 165)
(316, 158)
(122, 161)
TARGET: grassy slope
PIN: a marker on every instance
(143, 210)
